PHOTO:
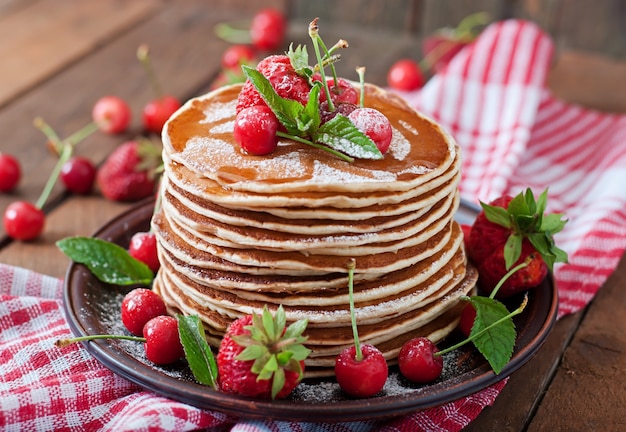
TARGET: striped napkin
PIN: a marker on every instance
(514, 134)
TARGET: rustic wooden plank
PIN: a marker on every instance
(10, 6)
(78, 216)
(590, 80)
(371, 16)
(186, 56)
(517, 402)
(589, 392)
(50, 34)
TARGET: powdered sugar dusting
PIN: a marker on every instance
(323, 173)
(226, 127)
(218, 111)
(400, 147)
(408, 126)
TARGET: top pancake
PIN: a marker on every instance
(200, 137)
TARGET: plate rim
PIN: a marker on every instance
(124, 364)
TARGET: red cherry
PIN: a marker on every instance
(468, 316)
(78, 175)
(10, 172)
(342, 92)
(417, 361)
(138, 307)
(267, 30)
(362, 378)
(340, 108)
(255, 130)
(163, 344)
(143, 246)
(158, 111)
(405, 75)
(237, 55)
(112, 114)
(375, 125)
(23, 221)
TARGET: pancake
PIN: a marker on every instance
(237, 233)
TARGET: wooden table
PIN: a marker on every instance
(59, 57)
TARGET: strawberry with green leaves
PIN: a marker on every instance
(260, 357)
(129, 173)
(512, 230)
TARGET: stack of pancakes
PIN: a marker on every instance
(238, 232)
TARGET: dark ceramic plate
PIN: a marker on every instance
(92, 307)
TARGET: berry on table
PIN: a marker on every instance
(237, 55)
(78, 175)
(10, 172)
(375, 125)
(406, 75)
(143, 247)
(138, 307)
(112, 114)
(255, 130)
(159, 110)
(162, 344)
(417, 361)
(128, 173)
(267, 29)
(23, 221)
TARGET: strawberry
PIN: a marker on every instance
(128, 174)
(287, 82)
(259, 357)
(510, 231)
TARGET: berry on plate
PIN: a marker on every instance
(260, 357)
(23, 221)
(255, 130)
(143, 247)
(417, 360)
(510, 231)
(375, 125)
(162, 344)
(138, 307)
(360, 369)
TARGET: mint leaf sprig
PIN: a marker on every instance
(493, 332)
(338, 136)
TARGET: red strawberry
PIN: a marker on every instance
(442, 45)
(510, 231)
(259, 357)
(128, 172)
(283, 77)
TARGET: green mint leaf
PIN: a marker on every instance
(197, 351)
(342, 135)
(107, 261)
(495, 344)
(287, 111)
(299, 59)
(497, 215)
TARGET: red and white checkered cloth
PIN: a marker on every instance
(514, 135)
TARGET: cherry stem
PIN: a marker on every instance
(316, 145)
(358, 353)
(315, 38)
(469, 23)
(143, 54)
(65, 342)
(361, 71)
(237, 32)
(517, 311)
(507, 276)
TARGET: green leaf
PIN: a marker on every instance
(287, 111)
(495, 344)
(278, 382)
(542, 202)
(107, 261)
(497, 215)
(197, 351)
(252, 352)
(268, 324)
(296, 328)
(299, 59)
(299, 352)
(284, 357)
(342, 135)
(512, 250)
(553, 223)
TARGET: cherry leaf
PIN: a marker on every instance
(496, 343)
(197, 351)
(108, 262)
